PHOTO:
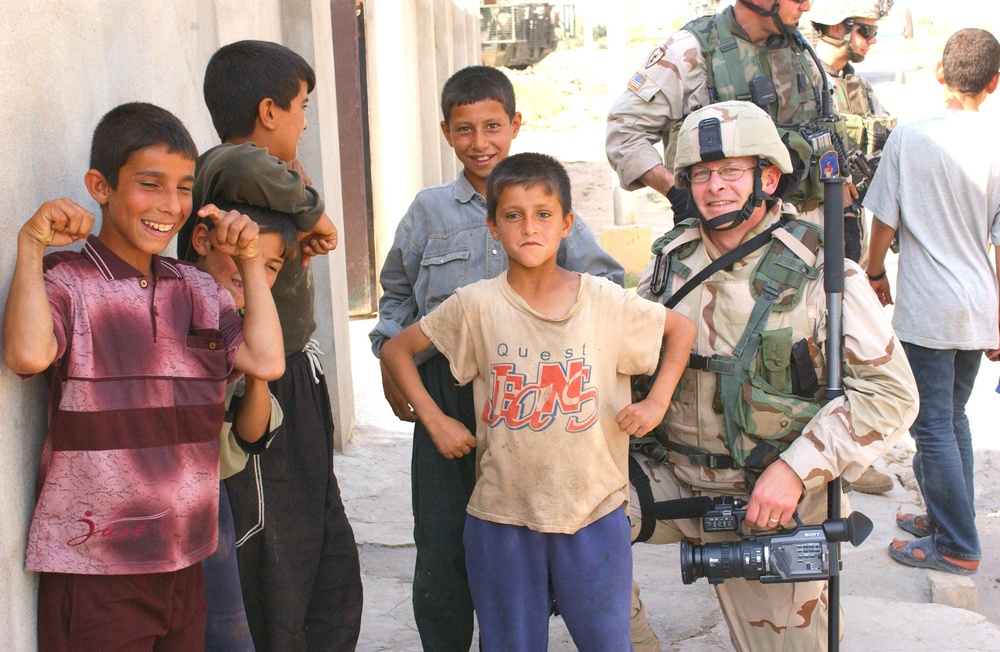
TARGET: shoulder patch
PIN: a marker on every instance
(655, 55)
(636, 81)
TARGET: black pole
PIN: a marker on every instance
(833, 284)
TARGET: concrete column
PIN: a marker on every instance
(444, 53)
(306, 28)
(426, 56)
(460, 33)
(474, 52)
(618, 55)
(395, 127)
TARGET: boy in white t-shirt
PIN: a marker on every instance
(549, 353)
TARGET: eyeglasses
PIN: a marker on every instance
(726, 173)
(867, 32)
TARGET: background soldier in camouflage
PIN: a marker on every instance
(817, 440)
(847, 31)
(749, 51)
(674, 81)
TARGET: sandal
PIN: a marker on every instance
(912, 524)
(932, 558)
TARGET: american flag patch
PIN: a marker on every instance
(637, 80)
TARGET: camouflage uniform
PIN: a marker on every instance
(843, 438)
(674, 81)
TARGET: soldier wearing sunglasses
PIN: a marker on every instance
(847, 30)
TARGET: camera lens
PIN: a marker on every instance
(723, 560)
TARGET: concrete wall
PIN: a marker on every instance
(413, 47)
(64, 64)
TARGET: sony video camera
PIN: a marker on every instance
(803, 554)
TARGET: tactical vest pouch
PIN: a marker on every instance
(767, 420)
(877, 128)
(775, 353)
(766, 413)
(854, 125)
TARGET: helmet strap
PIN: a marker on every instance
(733, 219)
(838, 42)
(783, 29)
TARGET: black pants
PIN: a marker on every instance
(298, 560)
(442, 603)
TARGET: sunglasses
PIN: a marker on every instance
(867, 32)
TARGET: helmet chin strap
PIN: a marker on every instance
(853, 56)
(784, 29)
(733, 219)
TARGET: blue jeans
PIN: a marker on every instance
(589, 572)
(943, 464)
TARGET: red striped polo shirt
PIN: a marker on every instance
(129, 477)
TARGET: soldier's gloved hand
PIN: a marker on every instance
(681, 204)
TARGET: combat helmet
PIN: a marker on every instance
(729, 130)
(835, 12)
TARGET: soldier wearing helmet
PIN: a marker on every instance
(675, 80)
(848, 26)
(749, 51)
(746, 424)
(847, 29)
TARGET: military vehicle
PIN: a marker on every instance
(520, 34)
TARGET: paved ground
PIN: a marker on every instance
(887, 606)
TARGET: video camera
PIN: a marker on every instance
(803, 554)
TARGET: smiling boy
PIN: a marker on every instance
(138, 351)
(552, 391)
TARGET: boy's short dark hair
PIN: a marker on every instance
(527, 170)
(269, 221)
(133, 126)
(239, 76)
(475, 84)
(272, 221)
(970, 60)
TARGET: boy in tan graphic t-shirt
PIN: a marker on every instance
(549, 353)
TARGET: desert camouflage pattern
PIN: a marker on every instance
(744, 130)
(842, 438)
(674, 81)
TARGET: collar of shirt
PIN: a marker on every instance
(114, 268)
(464, 192)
